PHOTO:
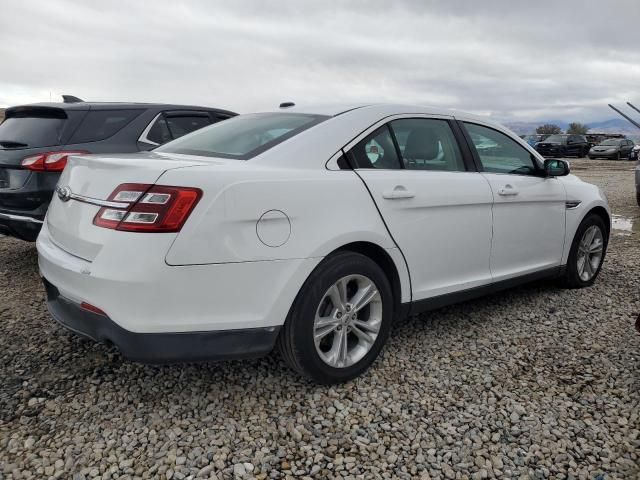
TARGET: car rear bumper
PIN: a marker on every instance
(146, 300)
(160, 347)
(20, 226)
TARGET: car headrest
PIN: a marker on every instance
(422, 144)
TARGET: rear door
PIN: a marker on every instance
(437, 210)
(529, 209)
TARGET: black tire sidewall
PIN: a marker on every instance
(571, 276)
(304, 309)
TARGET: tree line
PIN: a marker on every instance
(575, 128)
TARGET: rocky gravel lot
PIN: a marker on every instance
(537, 382)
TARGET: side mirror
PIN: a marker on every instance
(556, 168)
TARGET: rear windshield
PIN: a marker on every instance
(102, 124)
(32, 129)
(244, 136)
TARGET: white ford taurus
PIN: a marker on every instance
(309, 229)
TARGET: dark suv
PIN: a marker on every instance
(35, 141)
(563, 145)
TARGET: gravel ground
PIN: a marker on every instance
(536, 382)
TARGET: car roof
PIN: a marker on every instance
(118, 106)
(381, 110)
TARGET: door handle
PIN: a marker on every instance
(508, 190)
(399, 191)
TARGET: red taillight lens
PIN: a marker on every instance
(49, 161)
(152, 208)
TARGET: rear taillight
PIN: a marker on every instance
(151, 208)
(49, 161)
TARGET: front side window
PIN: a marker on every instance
(376, 151)
(427, 144)
(500, 154)
(244, 136)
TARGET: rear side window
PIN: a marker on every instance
(102, 124)
(427, 144)
(244, 136)
(180, 126)
(376, 151)
(159, 132)
(32, 128)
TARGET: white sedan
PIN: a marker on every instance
(312, 230)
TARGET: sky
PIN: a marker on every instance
(512, 60)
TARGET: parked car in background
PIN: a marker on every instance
(638, 184)
(36, 140)
(563, 145)
(613, 149)
(310, 229)
(534, 139)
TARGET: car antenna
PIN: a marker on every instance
(71, 99)
(287, 104)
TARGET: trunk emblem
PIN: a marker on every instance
(64, 193)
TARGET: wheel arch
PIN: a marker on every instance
(384, 260)
(602, 213)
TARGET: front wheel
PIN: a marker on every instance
(587, 253)
(339, 321)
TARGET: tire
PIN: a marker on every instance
(617, 157)
(571, 277)
(296, 341)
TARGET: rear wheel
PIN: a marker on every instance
(587, 253)
(339, 321)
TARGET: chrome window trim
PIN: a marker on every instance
(144, 135)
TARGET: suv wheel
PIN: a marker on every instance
(339, 321)
(587, 253)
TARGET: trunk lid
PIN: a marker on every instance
(70, 222)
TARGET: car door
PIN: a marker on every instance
(528, 208)
(436, 209)
(627, 145)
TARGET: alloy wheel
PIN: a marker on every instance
(590, 250)
(347, 321)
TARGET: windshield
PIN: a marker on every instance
(244, 136)
(611, 141)
(556, 139)
(31, 131)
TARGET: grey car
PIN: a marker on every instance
(35, 141)
(638, 183)
(612, 148)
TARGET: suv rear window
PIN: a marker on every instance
(101, 124)
(32, 128)
(244, 136)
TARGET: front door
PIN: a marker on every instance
(529, 209)
(438, 212)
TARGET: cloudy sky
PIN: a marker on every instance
(513, 60)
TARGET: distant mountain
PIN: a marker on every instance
(613, 125)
